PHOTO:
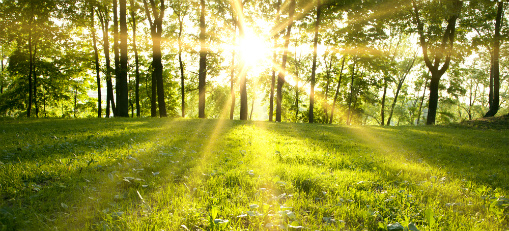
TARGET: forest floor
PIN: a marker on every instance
(186, 174)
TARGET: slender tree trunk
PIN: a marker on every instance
(296, 89)
(274, 57)
(232, 76)
(30, 68)
(243, 69)
(337, 91)
(313, 69)
(181, 65)
(326, 103)
(110, 102)
(203, 63)
(2, 73)
(400, 85)
(495, 66)
(122, 86)
(136, 60)
(34, 75)
(116, 56)
(382, 109)
(422, 102)
(351, 95)
(75, 101)
(159, 68)
(252, 108)
(282, 73)
(97, 68)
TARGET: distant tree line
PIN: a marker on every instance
(387, 62)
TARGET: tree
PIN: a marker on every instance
(281, 75)
(202, 73)
(122, 90)
(337, 89)
(156, 29)
(274, 57)
(96, 59)
(437, 49)
(104, 18)
(313, 70)
(494, 96)
(136, 60)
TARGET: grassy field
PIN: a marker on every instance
(173, 174)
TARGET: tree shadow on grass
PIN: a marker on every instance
(87, 171)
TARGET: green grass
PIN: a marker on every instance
(164, 174)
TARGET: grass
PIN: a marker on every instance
(173, 174)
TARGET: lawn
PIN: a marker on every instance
(183, 174)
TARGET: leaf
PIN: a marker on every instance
(395, 227)
(412, 227)
(429, 216)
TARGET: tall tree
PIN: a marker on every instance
(202, 74)
(282, 73)
(110, 101)
(156, 29)
(437, 52)
(181, 9)
(494, 96)
(96, 59)
(239, 10)
(337, 90)
(401, 80)
(136, 60)
(122, 88)
(313, 69)
(274, 58)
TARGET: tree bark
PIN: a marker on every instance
(351, 95)
(122, 87)
(400, 84)
(232, 75)
(382, 109)
(328, 75)
(337, 91)
(243, 66)
(446, 47)
(156, 30)
(97, 68)
(422, 101)
(110, 102)
(203, 63)
(137, 63)
(181, 65)
(495, 66)
(35, 82)
(116, 55)
(30, 66)
(274, 57)
(313, 69)
(282, 73)
(2, 73)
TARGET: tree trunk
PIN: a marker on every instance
(75, 101)
(136, 60)
(274, 57)
(203, 63)
(243, 68)
(97, 68)
(116, 55)
(110, 102)
(337, 91)
(282, 73)
(328, 75)
(30, 67)
(422, 101)
(313, 69)
(232, 76)
(252, 108)
(351, 95)
(400, 84)
(2, 73)
(296, 91)
(434, 67)
(122, 87)
(382, 109)
(495, 66)
(181, 65)
(35, 82)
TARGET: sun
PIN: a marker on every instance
(253, 49)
